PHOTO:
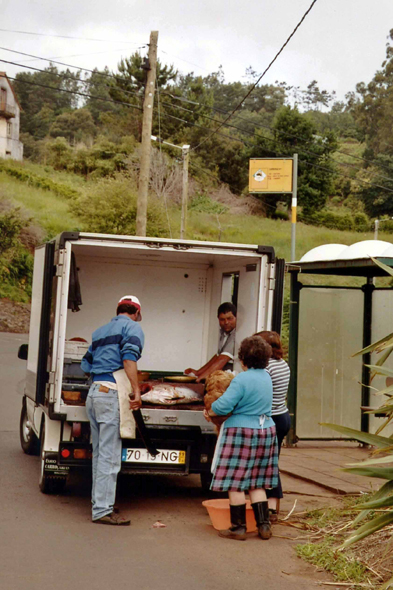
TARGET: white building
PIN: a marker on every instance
(10, 146)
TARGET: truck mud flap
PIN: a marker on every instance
(52, 467)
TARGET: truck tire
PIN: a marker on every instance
(206, 479)
(49, 484)
(28, 439)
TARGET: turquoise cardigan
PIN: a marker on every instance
(249, 395)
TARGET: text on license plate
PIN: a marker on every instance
(143, 456)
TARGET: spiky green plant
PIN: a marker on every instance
(381, 467)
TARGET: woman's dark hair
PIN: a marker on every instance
(255, 352)
(126, 308)
(226, 308)
(274, 340)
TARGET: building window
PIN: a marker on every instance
(9, 129)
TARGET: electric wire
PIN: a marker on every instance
(127, 104)
(67, 37)
(286, 134)
(103, 74)
(299, 150)
(262, 75)
(107, 75)
(363, 181)
(73, 55)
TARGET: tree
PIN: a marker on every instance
(75, 126)
(129, 82)
(376, 191)
(41, 97)
(98, 85)
(373, 111)
(293, 132)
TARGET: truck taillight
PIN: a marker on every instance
(81, 454)
(65, 453)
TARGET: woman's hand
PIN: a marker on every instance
(207, 415)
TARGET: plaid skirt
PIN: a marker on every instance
(247, 460)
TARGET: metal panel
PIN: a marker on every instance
(382, 325)
(330, 330)
(37, 369)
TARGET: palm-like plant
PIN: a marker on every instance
(381, 467)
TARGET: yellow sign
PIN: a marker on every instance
(270, 176)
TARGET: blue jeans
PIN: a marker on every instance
(103, 412)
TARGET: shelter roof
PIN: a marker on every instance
(339, 259)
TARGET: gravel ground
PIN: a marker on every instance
(14, 317)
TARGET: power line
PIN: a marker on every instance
(286, 134)
(127, 104)
(64, 76)
(274, 141)
(193, 125)
(73, 55)
(263, 73)
(106, 75)
(67, 37)
(103, 74)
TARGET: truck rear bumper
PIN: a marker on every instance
(196, 449)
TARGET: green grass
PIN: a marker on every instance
(343, 565)
(53, 214)
(324, 556)
(76, 181)
(47, 210)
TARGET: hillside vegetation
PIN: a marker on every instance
(81, 163)
(33, 215)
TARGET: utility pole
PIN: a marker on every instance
(184, 201)
(376, 227)
(294, 208)
(144, 171)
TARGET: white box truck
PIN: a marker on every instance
(180, 284)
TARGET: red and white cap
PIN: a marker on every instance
(132, 300)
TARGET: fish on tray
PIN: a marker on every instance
(168, 394)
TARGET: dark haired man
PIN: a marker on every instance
(223, 360)
(117, 345)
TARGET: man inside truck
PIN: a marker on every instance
(115, 346)
(223, 360)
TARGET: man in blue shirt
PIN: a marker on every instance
(115, 346)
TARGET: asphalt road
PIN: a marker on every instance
(49, 542)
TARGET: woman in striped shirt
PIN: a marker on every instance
(280, 374)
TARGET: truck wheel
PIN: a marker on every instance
(28, 439)
(206, 479)
(49, 484)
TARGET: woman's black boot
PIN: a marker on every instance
(238, 521)
(261, 513)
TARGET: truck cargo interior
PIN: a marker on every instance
(179, 293)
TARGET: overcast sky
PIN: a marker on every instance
(341, 42)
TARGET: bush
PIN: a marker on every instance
(62, 190)
(204, 204)
(358, 222)
(11, 224)
(16, 263)
(110, 207)
(362, 222)
(283, 215)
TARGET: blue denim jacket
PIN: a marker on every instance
(122, 339)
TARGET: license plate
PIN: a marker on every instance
(143, 456)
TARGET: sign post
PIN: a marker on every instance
(276, 175)
(294, 209)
